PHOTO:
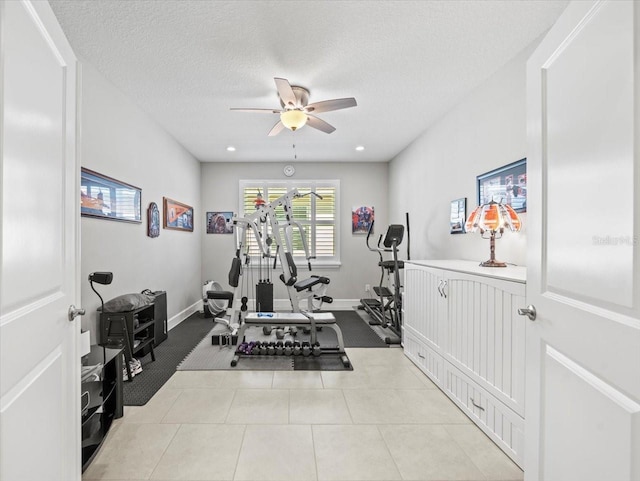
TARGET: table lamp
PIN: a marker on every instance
(491, 219)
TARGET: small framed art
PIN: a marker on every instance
(458, 215)
(176, 215)
(361, 219)
(153, 220)
(219, 223)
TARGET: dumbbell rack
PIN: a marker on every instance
(295, 319)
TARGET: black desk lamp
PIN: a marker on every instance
(104, 278)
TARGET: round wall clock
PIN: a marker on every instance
(289, 170)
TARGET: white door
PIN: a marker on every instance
(582, 402)
(39, 354)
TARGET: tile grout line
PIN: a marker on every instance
(235, 468)
(313, 446)
(165, 450)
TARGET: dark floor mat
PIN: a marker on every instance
(356, 331)
(181, 341)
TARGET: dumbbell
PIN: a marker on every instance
(317, 350)
(293, 331)
(250, 347)
(241, 348)
(288, 348)
(279, 348)
(280, 333)
(263, 348)
(297, 348)
(271, 349)
(266, 330)
(306, 349)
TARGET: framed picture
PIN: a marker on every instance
(219, 223)
(361, 219)
(153, 220)
(176, 215)
(106, 198)
(458, 215)
(507, 184)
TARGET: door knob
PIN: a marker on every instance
(73, 312)
(529, 311)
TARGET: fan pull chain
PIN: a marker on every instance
(295, 153)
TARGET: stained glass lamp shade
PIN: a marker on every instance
(491, 220)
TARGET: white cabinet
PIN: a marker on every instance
(461, 328)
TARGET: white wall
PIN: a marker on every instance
(360, 184)
(485, 131)
(120, 141)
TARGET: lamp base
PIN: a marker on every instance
(493, 263)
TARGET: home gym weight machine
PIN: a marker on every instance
(269, 228)
(386, 310)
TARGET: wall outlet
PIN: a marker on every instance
(367, 288)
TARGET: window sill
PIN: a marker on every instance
(302, 265)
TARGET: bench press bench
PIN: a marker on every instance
(297, 319)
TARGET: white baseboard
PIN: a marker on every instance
(182, 315)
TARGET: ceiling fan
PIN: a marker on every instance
(297, 112)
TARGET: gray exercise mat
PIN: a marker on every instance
(207, 357)
(356, 333)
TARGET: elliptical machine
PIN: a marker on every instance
(386, 310)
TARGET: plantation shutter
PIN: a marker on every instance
(317, 216)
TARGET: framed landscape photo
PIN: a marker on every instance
(107, 198)
(507, 184)
(176, 215)
(458, 215)
(219, 223)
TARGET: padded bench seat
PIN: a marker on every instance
(310, 282)
(289, 318)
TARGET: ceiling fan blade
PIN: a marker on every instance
(320, 124)
(286, 92)
(264, 111)
(328, 105)
(279, 127)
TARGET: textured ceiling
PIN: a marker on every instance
(406, 62)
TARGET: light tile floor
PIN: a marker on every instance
(383, 421)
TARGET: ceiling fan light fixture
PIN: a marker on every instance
(231, 148)
(293, 119)
(360, 148)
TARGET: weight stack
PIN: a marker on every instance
(264, 296)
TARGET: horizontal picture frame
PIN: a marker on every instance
(507, 184)
(104, 197)
(176, 215)
(219, 223)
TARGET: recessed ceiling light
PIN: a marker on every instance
(360, 148)
(231, 148)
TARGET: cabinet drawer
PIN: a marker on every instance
(427, 361)
(501, 424)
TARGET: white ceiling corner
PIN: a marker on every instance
(187, 62)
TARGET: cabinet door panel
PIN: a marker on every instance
(485, 336)
(423, 303)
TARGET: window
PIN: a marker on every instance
(318, 217)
